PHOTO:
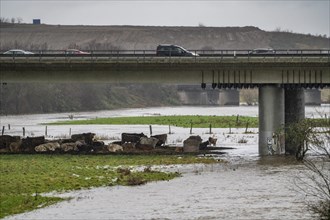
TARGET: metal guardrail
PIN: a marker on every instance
(151, 56)
(200, 52)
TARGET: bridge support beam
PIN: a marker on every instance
(294, 112)
(271, 120)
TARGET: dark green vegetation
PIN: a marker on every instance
(24, 177)
(306, 135)
(180, 121)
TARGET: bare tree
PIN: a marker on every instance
(4, 20)
(314, 182)
(19, 20)
(73, 46)
(250, 96)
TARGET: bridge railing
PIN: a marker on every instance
(200, 52)
(149, 55)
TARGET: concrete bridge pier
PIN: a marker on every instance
(294, 112)
(271, 120)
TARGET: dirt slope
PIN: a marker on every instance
(28, 36)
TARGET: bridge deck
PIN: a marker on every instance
(309, 69)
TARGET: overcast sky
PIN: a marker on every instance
(307, 16)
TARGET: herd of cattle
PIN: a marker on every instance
(86, 143)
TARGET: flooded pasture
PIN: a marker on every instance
(244, 190)
(33, 123)
(247, 187)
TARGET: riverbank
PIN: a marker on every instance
(25, 177)
(249, 189)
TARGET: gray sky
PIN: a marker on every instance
(306, 16)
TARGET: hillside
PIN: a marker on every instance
(29, 36)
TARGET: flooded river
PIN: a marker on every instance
(247, 187)
(33, 127)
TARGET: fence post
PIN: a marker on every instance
(8, 126)
(247, 126)
(150, 128)
(3, 130)
(23, 131)
(210, 128)
(169, 129)
(191, 128)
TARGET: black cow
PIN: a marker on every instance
(131, 137)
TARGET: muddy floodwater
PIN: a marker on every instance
(246, 187)
(259, 188)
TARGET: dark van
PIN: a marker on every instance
(173, 50)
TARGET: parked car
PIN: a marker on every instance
(17, 52)
(75, 51)
(173, 50)
(262, 51)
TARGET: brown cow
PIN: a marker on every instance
(213, 141)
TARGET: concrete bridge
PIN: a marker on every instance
(281, 77)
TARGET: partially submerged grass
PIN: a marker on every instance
(24, 177)
(179, 121)
(185, 121)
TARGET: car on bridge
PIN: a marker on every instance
(17, 52)
(173, 50)
(75, 52)
(262, 51)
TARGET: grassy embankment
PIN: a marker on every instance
(24, 177)
(184, 121)
(179, 121)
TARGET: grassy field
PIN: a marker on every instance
(180, 121)
(185, 121)
(24, 177)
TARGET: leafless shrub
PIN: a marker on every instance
(13, 20)
(242, 141)
(147, 169)
(314, 181)
(250, 96)
(135, 180)
(124, 171)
